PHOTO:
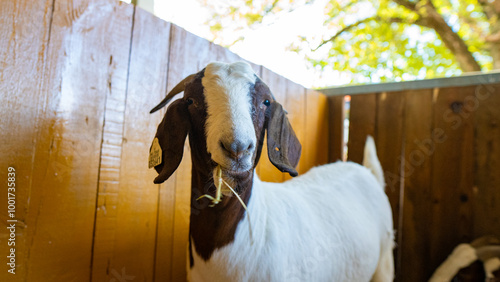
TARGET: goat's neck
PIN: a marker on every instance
(214, 227)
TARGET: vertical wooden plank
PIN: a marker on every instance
(452, 173)
(109, 187)
(336, 116)
(277, 84)
(25, 33)
(315, 144)
(77, 72)
(146, 87)
(380, 115)
(420, 145)
(362, 122)
(487, 151)
(295, 104)
(389, 139)
(165, 226)
(188, 54)
(133, 247)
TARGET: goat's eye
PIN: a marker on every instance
(267, 103)
(189, 101)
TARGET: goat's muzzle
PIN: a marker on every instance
(236, 154)
(237, 149)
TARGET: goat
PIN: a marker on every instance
(334, 223)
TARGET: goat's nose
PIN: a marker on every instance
(236, 149)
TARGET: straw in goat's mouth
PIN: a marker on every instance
(218, 196)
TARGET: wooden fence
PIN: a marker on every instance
(78, 79)
(439, 144)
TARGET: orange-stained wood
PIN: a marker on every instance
(295, 104)
(315, 148)
(152, 243)
(23, 101)
(109, 204)
(278, 86)
(79, 75)
(136, 222)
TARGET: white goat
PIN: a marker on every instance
(334, 223)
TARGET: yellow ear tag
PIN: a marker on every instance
(155, 153)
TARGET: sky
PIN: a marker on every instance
(266, 45)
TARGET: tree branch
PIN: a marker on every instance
(420, 21)
(428, 17)
(450, 38)
(493, 37)
(496, 5)
(346, 28)
(487, 10)
(407, 4)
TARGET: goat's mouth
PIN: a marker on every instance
(230, 175)
(232, 171)
(234, 167)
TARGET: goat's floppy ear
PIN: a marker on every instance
(171, 134)
(283, 147)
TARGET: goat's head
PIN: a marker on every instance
(225, 110)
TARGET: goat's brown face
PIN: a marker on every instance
(226, 109)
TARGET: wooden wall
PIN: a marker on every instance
(440, 151)
(77, 81)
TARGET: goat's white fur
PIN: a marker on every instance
(229, 109)
(333, 223)
(490, 266)
(462, 256)
(370, 160)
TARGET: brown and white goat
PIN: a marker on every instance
(334, 223)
